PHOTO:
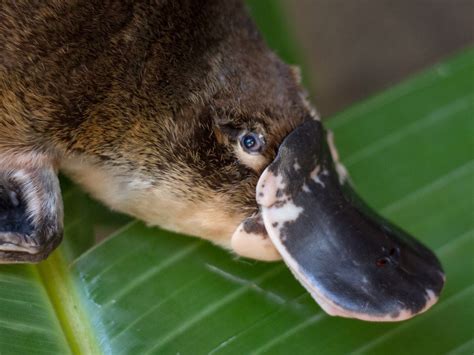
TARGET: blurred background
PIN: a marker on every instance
(352, 49)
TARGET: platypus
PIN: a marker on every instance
(177, 113)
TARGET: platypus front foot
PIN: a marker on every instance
(31, 214)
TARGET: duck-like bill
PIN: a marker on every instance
(353, 262)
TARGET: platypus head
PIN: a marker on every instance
(353, 262)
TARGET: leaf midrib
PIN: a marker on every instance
(55, 277)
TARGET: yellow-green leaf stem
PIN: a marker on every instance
(56, 278)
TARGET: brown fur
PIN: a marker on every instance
(146, 95)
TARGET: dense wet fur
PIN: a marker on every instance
(147, 97)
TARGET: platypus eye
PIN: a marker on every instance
(252, 143)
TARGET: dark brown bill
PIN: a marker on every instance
(353, 262)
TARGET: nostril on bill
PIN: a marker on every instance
(381, 262)
(392, 258)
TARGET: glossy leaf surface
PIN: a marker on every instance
(410, 156)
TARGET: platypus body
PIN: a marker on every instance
(170, 111)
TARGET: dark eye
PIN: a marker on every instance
(252, 143)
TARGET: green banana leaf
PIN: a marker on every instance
(148, 291)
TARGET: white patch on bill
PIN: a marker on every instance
(288, 212)
(267, 188)
(278, 210)
(315, 176)
(340, 169)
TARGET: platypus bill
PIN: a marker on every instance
(177, 113)
(353, 262)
